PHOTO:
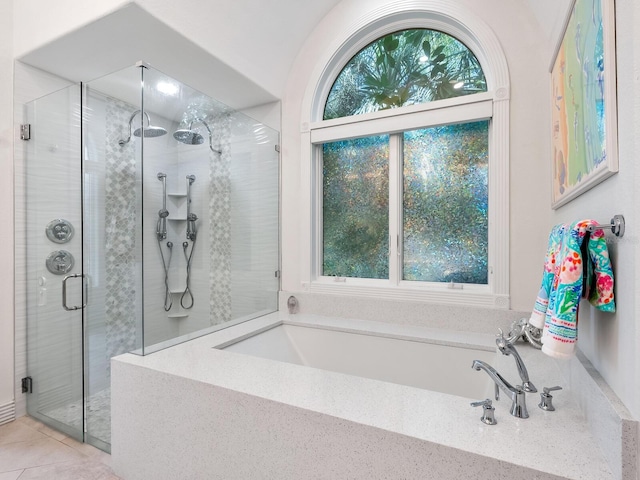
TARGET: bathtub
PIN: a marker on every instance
(301, 397)
(412, 361)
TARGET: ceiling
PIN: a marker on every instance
(239, 52)
(93, 51)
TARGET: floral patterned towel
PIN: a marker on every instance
(549, 273)
(559, 297)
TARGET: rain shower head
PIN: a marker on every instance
(150, 131)
(189, 136)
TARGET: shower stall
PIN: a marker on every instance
(151, 216)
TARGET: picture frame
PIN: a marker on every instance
(583, 101)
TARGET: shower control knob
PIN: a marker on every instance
(60, 262)
(59, 230)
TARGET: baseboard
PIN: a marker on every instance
(7, 413)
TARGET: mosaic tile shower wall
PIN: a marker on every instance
(120, 231)
(220, 223)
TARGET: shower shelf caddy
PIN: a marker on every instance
(177, 200)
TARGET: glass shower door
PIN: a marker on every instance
(112, 254)
(53, 217)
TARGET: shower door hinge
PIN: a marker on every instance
(277, 148)
(25, 131)
(277, 274)
(27, 385)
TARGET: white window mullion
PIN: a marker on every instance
(395, 209)
(400, 208)
(318, 221)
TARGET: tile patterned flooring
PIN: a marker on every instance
(98, 414)
(29, 450)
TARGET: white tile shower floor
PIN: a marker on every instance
(98, 415)
(29, 450)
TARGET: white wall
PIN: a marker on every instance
(6, 199)
(517, 32)
(177, 161)
(612, 341)
(551, 16)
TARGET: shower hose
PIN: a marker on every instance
(186, 300)
(168, 301)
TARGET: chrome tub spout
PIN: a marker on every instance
(516, 394)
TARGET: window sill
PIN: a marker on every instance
(471, 296)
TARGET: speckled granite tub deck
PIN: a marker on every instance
(231, 415)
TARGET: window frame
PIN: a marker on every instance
(394, 122)
(314, 131)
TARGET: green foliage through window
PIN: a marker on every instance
(444, 207)
(404, 68)
(446, 203)
(355, 207)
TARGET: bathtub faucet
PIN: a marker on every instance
(516, 394)
(508, 348)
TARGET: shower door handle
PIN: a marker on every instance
(64, 292)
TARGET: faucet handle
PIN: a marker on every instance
(488, 410)
(546, 398)
(501, 341)
(551, 389)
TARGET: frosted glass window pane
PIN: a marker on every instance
(445, 203)
(355, 208)
(405, 68)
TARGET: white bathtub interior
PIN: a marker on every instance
(412, 362)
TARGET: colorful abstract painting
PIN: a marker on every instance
(583, 102)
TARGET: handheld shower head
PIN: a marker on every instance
(163, 213)
(150, 131)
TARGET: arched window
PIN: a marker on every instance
(409, 163)
(405, 68)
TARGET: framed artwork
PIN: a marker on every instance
(583, 83)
